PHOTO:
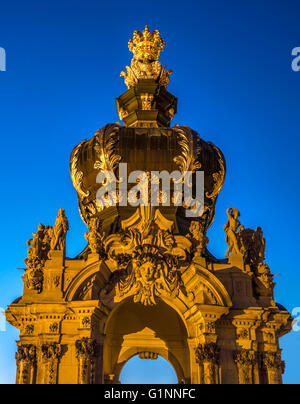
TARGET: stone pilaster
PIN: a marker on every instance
(246, 361)
(274, 367)
(86, 352)
(52, 354)
(207, 356)
(26, 364)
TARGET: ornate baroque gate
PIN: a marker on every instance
(146, 284)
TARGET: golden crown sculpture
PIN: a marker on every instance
(146, 45)
(146, 48)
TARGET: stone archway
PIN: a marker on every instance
(133, 329)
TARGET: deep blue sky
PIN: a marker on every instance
(232, 73)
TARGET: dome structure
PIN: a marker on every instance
(146, 142)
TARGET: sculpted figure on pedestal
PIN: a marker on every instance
(40, 243)
(47, 238)
(199, 240)
(37, 255)
(60, 230)
(231, 229)
(264, 280)
(36, 243)
(95, 237)
(250, 243)
(253, 246)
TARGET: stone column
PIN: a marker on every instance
(26, 364)
(86, 352)
(274, 367)
(207, 356)
(245, 360)
(52, 354)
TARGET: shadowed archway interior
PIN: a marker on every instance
(152, 334)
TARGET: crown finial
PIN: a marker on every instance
(145, 64)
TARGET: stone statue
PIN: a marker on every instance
(45, 239)
(264, 278)
(36, 243)
(199, 240)
(34, 275)
(37, 255)
(60, 229)
(95, 237)
(231, 229)
(260, 243)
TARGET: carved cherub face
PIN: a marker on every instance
(147, 272)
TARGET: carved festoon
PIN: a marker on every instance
(26, 364)
(150, 267)
(246, 360)
(86, 351)
(52, 354)
(274, 366)
(208, 357)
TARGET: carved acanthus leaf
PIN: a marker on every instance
(218, 177)
(76, 173)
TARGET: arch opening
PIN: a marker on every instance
(155, 332)
(148, 371)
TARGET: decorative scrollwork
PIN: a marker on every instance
(218, 177)
(95, 237)
(76, 174)
(150, 266)
(146, 48)
(149, 275)
(106, 140)
(187, 159)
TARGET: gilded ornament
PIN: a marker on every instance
(146, 48)
(218, 177)
(76, 173)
